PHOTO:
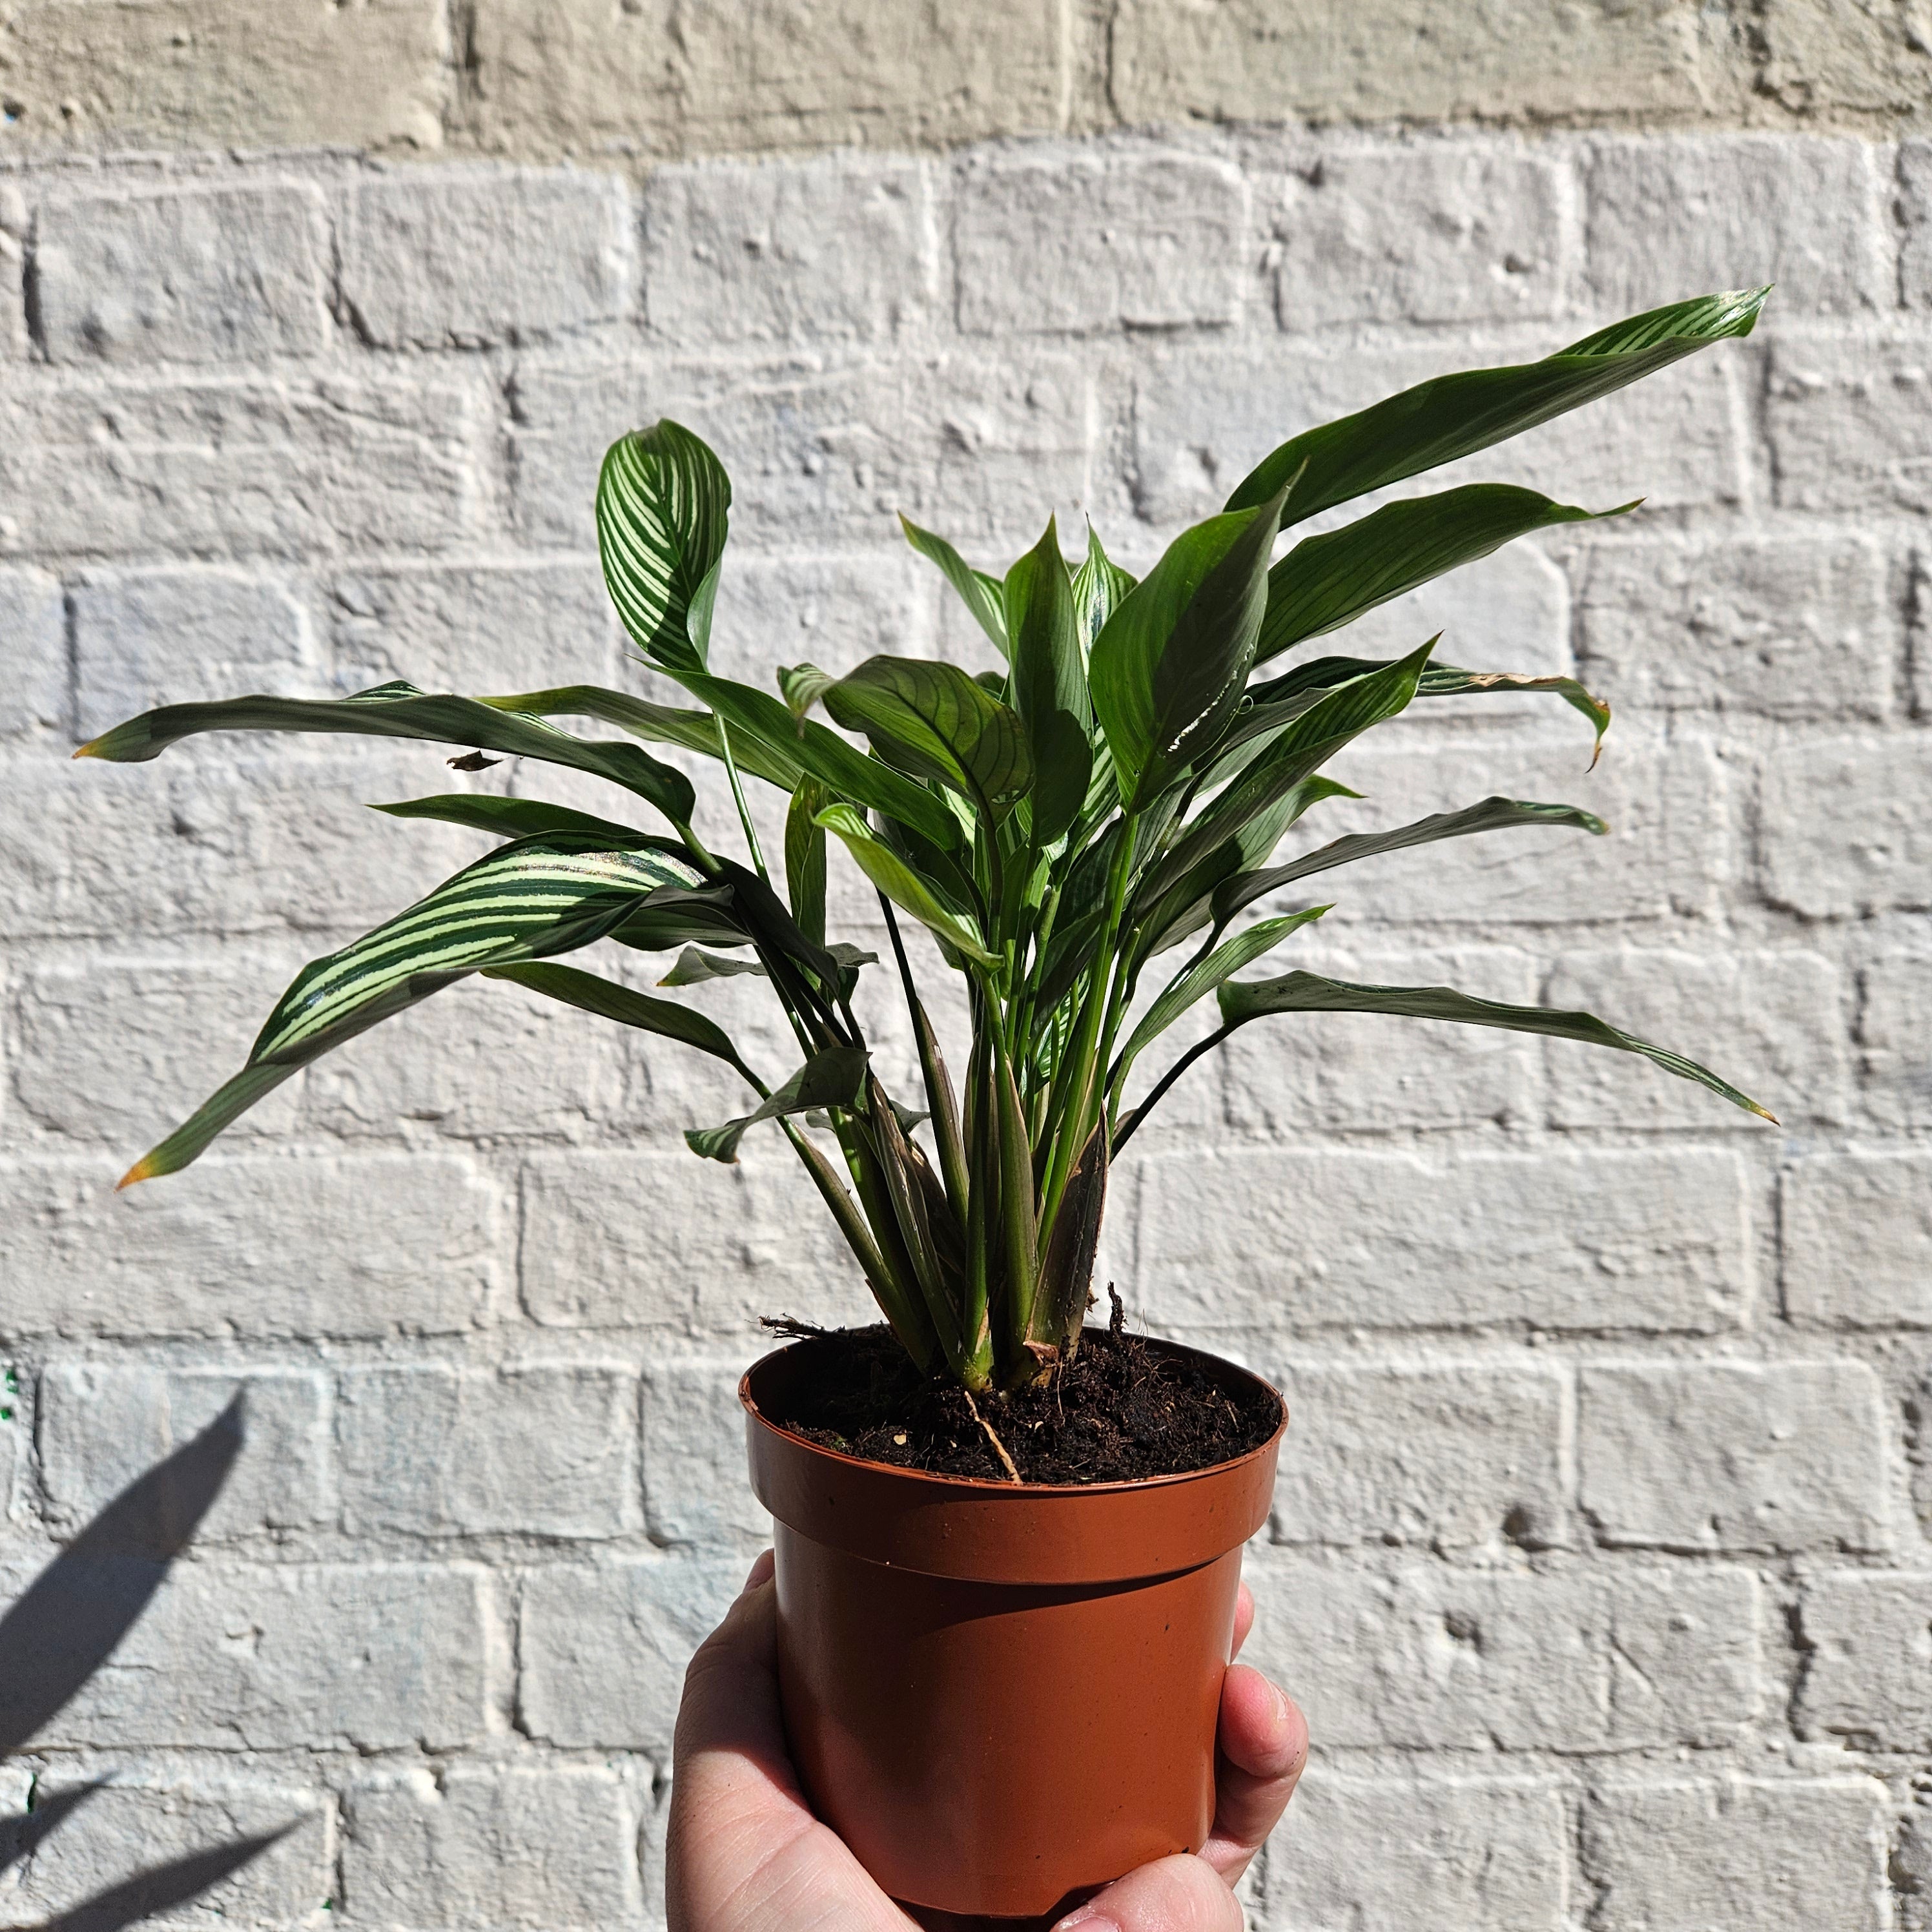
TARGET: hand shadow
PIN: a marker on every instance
(71, 1620)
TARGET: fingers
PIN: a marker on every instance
(1244, 1618)
(1177, 1894)
(1263, 1741)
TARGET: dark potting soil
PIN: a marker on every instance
(1126, 1407)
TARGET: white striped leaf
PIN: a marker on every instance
(663, 500)
(523, 901)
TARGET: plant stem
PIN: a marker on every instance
(1166, 1081)
(738, 799)
(940, 1100)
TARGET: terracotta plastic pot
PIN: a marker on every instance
(1002, 1697)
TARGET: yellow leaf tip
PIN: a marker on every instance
(142, 1170)
(87, 751)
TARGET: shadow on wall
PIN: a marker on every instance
(68, 1624)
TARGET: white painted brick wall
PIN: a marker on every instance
(1601, 1556)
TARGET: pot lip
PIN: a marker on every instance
(986, 1486)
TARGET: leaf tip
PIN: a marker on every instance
(143, 1169)
(92, 749)
(1764, 1113)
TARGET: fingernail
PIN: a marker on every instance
(1088, 1919)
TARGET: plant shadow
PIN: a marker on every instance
(70, 1620)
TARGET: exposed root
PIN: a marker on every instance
(999, 1447)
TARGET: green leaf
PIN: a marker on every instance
(1452, 416)
(1099, 587)
(1491, 814)
(1049, 684)
(1310, 993)
(661, 723)
(932, 718)
(980, 594)
(831, 1078)
(1297, 690)
(805, 858)
(1167, 670)
(802, 685)
(694, 966)
(674, 916)
(400, 710)
(663, 500)
(522, 901)
(1328, 581)
(903, 886)
(1298, 753)
(508, 817)
(592, 994)
(842, 768)
(1223, 963)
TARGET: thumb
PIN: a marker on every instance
(1176, 1894)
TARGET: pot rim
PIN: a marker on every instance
(987, 1485)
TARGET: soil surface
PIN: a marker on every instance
(1127, 1407)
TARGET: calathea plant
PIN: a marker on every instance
(1082, 827)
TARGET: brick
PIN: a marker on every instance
(1200, 417)
(1347, 1072)
(301, 467)
(1894, 1019)
(1845, 62)
(1771, 1023)
(1607, 1241)
(473, 257)
(542, 1450)
(1914, 206)
(103, 1425)
(1856, 1235)
(1681, 215)
(124, 1829)
(34, 654)
(1461, 1456)
(1865, 1679)
(208, 74)
(1791, 629)
(1484, 1853)
(265, 839)
(538, 1848)
(604, 1649)
(147, 637)
(839, 248)
(718, 1247)
(1909, 1867)
(1734, 1455)
(1839, 417)
(1697, 1855)
(695, 1490)
(574, 78)
(250, 1248)
(15, 228)
(833, 611)
(223, 274)
(1440, 233)
(1845, 827)
(368, 1657)
(1262, 60)
(986, 448)
(1436, 1658)
(1079, 241)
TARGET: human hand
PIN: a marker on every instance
(746, 1855)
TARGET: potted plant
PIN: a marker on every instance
(1008, 1544)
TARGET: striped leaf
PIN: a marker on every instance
(523, 901)
(933, 720)
(663, 500)
(400, 710)
(1311, 993)
(1099, 587)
